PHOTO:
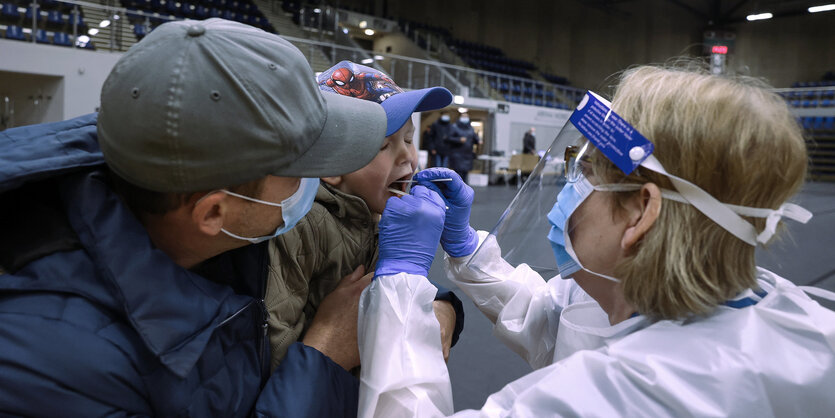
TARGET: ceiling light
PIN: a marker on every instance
(104, 23)
(369, 32)
(367, 61)
(475, 124)
(345, 30)
(317, 10)
(92, 31)
(83, 39)
(759, 16)
(458, 99)
(363, 24)
(823, 8)
(379, 57)
(462, 110)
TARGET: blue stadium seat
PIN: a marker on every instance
(29, 14)
(187, 10)
(15, 32)
(200, 12)
(538, 102)
(40, 36)
(140, 30)
(171, 7)
(9, 12)
(61, 39)
(829, 123)
(78, 20)
(214, 12)
(55, 18)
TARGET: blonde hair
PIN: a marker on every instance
(731, 137)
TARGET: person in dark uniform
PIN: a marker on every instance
(529, 142)
(462, 138)
(438, 156)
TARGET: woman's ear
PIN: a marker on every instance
(643, 213)
(209, 212)
(333, 181)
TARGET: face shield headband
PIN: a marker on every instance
(534, 227)
(628, 149)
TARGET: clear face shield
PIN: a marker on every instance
(564, 218)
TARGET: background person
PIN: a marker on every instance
(339, 234)
(121, 295)
(529, 142)
(439, 152)
(460, 143)
(659, 308)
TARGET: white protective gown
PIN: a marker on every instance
(775, 358)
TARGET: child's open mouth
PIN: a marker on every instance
(399, 186)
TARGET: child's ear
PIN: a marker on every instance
(333, 181)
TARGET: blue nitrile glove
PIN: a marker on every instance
(459, 239)
(409, 231)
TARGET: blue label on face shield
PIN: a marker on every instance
(612, 135)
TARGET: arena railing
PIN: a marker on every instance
(108, 26)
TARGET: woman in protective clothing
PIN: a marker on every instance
(657, 308)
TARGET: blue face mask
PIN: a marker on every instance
(568, 200)
(465, 121)
(293, 208)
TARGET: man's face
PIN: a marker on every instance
(397, 160)
(254, 219)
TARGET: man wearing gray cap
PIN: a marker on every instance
(120, 294)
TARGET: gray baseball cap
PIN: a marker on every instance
(200, 105)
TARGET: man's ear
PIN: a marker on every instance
(209, 212)
(333, 181)
(643, 212)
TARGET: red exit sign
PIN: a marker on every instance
(720, 49)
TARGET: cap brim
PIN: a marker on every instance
(353, 134)
(399, 107)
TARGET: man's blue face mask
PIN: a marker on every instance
(293, 208)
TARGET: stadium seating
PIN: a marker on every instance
(156, 12)
(15, 32)
(61, 39)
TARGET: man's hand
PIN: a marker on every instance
(446, 317)
(334, 328)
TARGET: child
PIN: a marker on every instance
(340, 231)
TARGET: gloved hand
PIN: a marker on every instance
(409, 231)
(459, 239)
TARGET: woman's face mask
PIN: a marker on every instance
(293, 208)
(569, 199)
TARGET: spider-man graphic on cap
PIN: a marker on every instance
(368, 85)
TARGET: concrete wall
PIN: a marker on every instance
(27, 99)
(785, 50)
(81, 74)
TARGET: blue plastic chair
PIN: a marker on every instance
(15, 32)
(55, 18)
(140, 31)
(61, 39)
(40, 37)
(200, 12)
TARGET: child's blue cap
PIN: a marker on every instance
(351, 79)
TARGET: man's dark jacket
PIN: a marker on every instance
(94, 320)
